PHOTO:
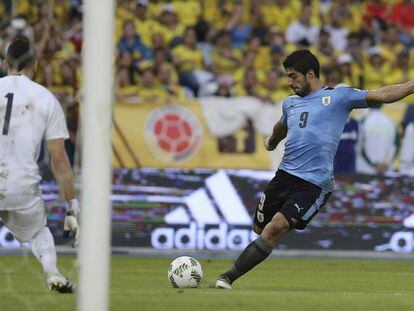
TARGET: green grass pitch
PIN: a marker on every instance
(277, 284)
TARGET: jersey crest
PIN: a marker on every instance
(326, 100)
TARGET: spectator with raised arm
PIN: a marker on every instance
(239, 28)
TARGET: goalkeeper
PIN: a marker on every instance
(29, 114)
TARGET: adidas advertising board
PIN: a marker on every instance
(208, 209)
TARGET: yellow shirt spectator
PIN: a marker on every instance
(224, 58)
(171, 33)
(160, 61)
(155, 9)
(350, 73)
(225, 61)
(146, 29)
(375, 72)
(170, 25)
(188, 11)
(400, 71)
(398, 76)
(250, 86)
(123, 13)
(217, 18)
(390, 53)
(274, 89)
(279, 15)
(144, 25)
(124, 10)
(249, 63)
(262, 53)
(219, 14)
(188, 59)
(166, 78)
(124, 87)
(315, 8)
(354, 77)
(263, 58)
(149, 89)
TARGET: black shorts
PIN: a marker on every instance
(297, 199)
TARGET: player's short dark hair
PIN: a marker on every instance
(302, 61)
(20, 53)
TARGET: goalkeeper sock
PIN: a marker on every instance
(253, 254)
(43, 247)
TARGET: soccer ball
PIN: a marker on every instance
(185, 272)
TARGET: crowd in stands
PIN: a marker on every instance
(236, 47)
(171, 51)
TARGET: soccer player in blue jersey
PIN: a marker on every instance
(312, 121)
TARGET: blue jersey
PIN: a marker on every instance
(315, 123)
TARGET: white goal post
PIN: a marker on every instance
(97, 58)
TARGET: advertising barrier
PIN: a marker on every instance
(211, 209)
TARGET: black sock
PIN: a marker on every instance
(253, 254)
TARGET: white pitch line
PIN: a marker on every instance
(308, 293)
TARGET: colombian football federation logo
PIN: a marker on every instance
(173, 133)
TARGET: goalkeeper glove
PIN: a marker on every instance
(71, 221)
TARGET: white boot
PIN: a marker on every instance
(223, 283)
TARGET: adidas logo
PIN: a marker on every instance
(401, 241)
(213, 217)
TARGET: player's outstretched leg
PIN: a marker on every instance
(43, 247)
(255, 252)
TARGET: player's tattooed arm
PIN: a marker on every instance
(278, 134)
(389, 93)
